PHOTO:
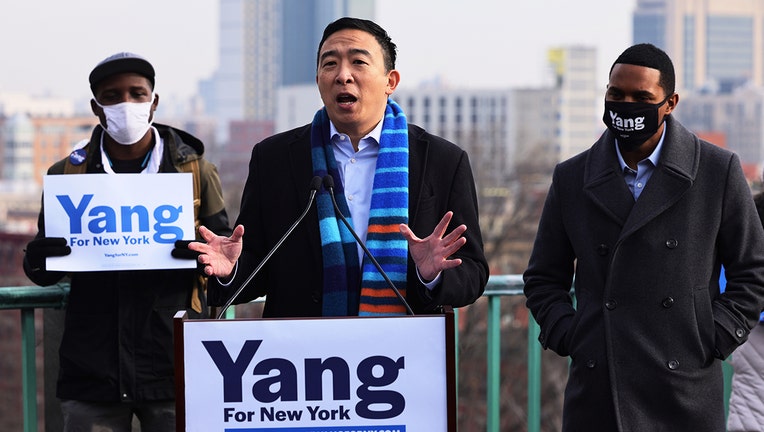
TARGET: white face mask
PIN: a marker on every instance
(127, 122)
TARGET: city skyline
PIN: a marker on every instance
(493, 44)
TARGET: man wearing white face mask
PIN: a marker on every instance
(116, 353)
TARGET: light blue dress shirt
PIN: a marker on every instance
(356, 170)
(637, 180)
(357, 175)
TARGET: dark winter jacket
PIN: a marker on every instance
(118, 342)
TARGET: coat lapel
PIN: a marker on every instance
(418, 148)
(604, 183)
(301, 167)
(605, 186)
(675, 173)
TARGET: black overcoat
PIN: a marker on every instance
(276, 192)
(650, 326)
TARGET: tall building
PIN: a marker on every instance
(738, 116)
(54, 138)
(580, 101)
(265, 44)
(17, 165)
(479, 121)
(715, 44)
(17, 132)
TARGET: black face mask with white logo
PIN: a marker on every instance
(633, 123)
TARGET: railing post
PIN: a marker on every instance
(493, 372)
(28, 370)
(534, 376)
(456, 359)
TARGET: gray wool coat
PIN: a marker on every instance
(649, 328)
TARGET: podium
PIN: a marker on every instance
(361, 374)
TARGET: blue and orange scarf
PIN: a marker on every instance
(389, 208)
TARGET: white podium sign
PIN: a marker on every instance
(119, 222)
(315, 375)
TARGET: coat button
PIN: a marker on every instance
(611, 304)
(673, 364)
(739, 332)
(315, 297)
(672, 243)
(602, 250)
(542, 338)
(591, 363)
(668, 302)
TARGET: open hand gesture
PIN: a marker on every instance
(431, 253)
(220, 253)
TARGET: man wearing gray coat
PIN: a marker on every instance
(644, 219)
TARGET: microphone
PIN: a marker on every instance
(315, 185)
(329, 185)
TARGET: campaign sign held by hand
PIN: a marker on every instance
(119, 222)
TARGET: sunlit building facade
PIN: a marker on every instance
(715, 44)
(580, 101)
(738, 115)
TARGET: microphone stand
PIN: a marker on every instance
(329, 184)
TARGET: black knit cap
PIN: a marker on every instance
(121, 63)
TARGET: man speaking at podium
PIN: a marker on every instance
(409, 196)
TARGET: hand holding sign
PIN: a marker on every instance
(39, 249)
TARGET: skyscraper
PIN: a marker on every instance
(265, 44)
(578, 121)
(715, 44)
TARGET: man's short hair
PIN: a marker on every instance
(388, 47)
(649, 55)
(123, 62)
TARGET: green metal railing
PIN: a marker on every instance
(500, 286)
(29, 298)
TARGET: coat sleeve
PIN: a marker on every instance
(549, 275)
(462, 285)
(249, 216)
(741, 250)
(212, 213)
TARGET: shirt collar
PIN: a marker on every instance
(654, 157)
(375, 135)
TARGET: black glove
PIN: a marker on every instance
(181, 251)
(39, 249)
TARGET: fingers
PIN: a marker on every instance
(440, 229)
(49, 241)
(447, 264)
(454, 247)
(455, 234)
(59, 251)
(407, 233)
(183, 244)
(206, 234)
(49, 247)
(182, 253)
(238, 233)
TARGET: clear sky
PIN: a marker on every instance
(50, 46)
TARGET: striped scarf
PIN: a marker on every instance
(389, 208)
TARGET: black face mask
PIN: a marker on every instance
(633, 123)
